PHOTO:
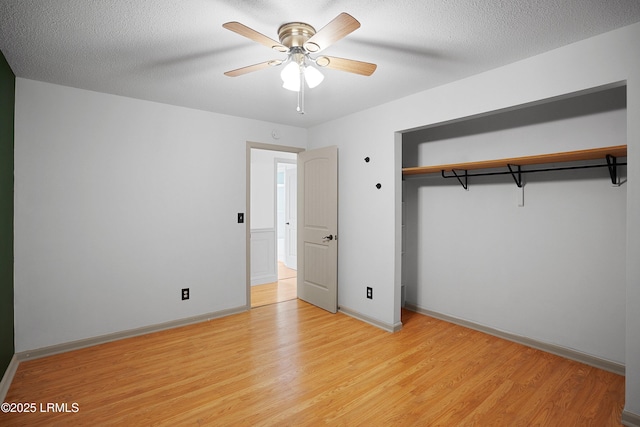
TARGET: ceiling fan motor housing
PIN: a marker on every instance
(295, 34)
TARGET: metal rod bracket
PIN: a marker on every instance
(464, 184)
(517, 178)
(612, 165)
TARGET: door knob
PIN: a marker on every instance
(327, 238)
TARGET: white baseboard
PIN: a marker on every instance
(382, 325)
(263, 280)
(567, 353)
(76, 345)
(630, 419)
(7, 378)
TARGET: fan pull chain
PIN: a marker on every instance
(300, 108)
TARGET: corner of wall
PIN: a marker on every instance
(7, 108)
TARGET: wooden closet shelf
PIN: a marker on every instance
(568, 156)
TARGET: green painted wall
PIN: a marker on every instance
(7, 104)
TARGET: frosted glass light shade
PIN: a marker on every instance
(290, 75)
(312, 76)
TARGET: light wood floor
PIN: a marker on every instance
(284, 289)
(292, 364)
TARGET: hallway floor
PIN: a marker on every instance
(284, 289)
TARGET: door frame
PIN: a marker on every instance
(247, 217)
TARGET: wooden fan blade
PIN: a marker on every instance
(341, 26)
(348, 65)
(252, 68)
(252, 34)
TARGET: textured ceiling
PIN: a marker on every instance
(175, 51)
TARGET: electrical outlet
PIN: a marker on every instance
(369, 292)
(185, 293)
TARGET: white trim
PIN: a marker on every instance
(7, 378)
(567, 353)
(89, 342)
(382, 325)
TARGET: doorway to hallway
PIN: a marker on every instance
(273, 224)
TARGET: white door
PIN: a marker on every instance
(318, 227)
(291, 217)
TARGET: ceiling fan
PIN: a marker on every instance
(299, 41)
